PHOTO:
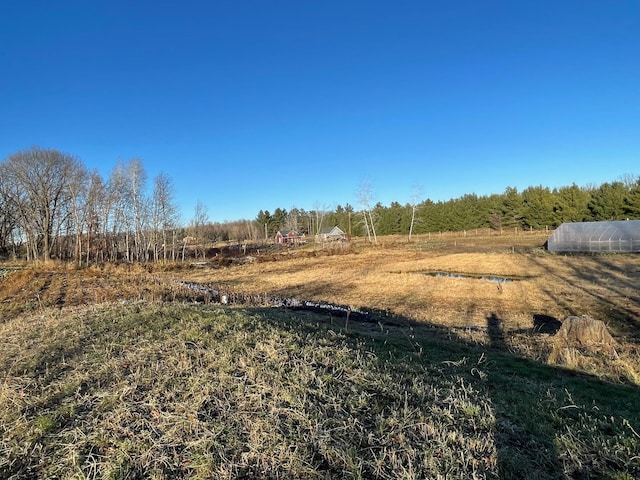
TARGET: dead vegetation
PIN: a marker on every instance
(189, 391)
(106, 373)
(395, 277)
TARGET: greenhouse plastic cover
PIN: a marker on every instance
(613, 236)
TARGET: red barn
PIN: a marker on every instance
(290, 237)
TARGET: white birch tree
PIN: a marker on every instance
(415, 199)
(165, 215)
(365, 198)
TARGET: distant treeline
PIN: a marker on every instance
(535, 208)
(51, 206)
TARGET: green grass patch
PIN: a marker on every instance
(149, 391)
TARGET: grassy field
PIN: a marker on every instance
(398, 277)
(117, 373)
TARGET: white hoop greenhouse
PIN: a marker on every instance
(613, 236)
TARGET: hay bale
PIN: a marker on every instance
(585, 332)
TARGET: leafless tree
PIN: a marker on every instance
(8, 221)
(365, 198)
(250, 228)
(118, 191)
(139, 208)
(78, 191)
(96, 217)
(165, 215)
(39, 192)
(629, 180)
(51, 205)
(291, 220)
(130, 220)
(198, 222)
(319, 213)
(415, 199)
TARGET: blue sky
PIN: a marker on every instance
(270, 103)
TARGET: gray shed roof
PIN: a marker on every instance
(331, 231)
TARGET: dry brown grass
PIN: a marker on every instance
(169, 391)
(134, 389)
(393, 276)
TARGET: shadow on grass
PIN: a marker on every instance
(426, 395)
(612, 288)
(523, 446)
(546, 324)
(550, 422)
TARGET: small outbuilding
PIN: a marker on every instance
(610, 236)
(331, 234)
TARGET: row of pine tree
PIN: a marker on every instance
(535, 208)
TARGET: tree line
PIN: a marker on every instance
(535, 208)
(52, 206)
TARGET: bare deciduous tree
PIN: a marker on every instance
(78, 191)
(165, 215)
(415, 199)
(140, 210)
(96, 211)
(127, 189)
(39, 193)
(291, 220)
(121, 228)
(51, 206)
(365, 197)
(198, 223)
(8, 221)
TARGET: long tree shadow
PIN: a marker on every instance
(614, 290)
(531, 400)
(542, 412)
(524, 449)
(495, 331)
(533, 403)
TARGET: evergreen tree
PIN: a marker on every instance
(511, 212)
(608, 202)
(389, 219)
(494, 206)
(279, 220)
(434, 216)
(465, 213)
(264, 223)
(571, 205)
(632, 201)
(537, 208)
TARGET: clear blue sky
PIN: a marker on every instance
(258, 104)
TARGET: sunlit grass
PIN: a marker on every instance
(176, 391)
